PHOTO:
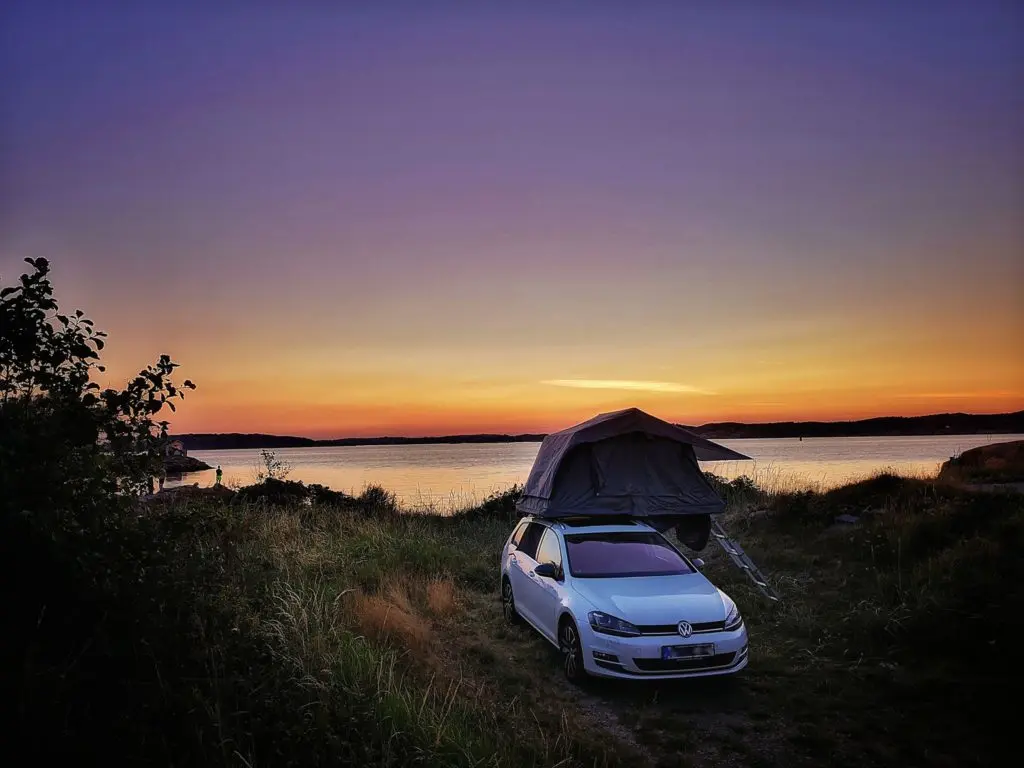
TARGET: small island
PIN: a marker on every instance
(178, 462)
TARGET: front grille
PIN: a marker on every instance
(614, 667)
(671, 629)
(684, 665)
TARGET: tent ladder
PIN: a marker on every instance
(742, 560)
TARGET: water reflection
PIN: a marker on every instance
(453, 476)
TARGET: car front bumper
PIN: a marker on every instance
(640, 657)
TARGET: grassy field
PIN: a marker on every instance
(253, 634)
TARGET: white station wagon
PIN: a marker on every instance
(619, 600)
(588, 567)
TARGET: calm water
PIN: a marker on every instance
(449, 476)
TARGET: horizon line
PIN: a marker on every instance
(545, 433)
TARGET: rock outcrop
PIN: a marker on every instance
(177, 465)
(993, 463)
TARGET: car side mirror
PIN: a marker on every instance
(547, 570)
(698, 563)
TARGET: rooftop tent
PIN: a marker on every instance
(624, 463)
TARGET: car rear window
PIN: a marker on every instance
(615, 555)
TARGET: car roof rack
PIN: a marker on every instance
(584, 520)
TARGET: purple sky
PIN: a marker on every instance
(354, 196)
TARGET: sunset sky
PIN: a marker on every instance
(512, 216)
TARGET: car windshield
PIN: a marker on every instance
(619, 554)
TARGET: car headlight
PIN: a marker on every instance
(733, 620)
(611, 625)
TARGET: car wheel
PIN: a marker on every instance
(508, 603)
(572, 651)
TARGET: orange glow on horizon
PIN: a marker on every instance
(306, 389)
(410, 420)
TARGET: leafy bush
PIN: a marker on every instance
(73, 458)
(270, 467)
(290, 492)
(275, 492)
(375, 498)
(66, 446)
(321, 494)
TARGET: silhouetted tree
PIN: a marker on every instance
(68, 448)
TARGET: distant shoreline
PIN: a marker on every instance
(887, 426)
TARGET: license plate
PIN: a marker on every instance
(700, 651)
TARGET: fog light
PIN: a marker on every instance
(606, 656)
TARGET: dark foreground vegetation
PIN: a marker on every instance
(288, 625)
(238, 632)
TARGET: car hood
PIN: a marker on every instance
(655, 599)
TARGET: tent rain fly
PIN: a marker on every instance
(624, 463)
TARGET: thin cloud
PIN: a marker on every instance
(957, 395)
(625, 384)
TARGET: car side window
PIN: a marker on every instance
(531, 539)
(549, 551)
(517, 535)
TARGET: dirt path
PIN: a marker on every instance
(679, 723)
(517, 662)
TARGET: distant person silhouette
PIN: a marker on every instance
(219, 475)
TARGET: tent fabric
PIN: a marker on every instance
(623, 463)
(556, 445)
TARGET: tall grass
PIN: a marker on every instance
(251, 633)
(362, 607)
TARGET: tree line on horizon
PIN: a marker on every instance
(884, 426)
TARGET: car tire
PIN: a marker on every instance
(571, 646)
(508, 604)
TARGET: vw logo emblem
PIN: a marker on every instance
(685, 630)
